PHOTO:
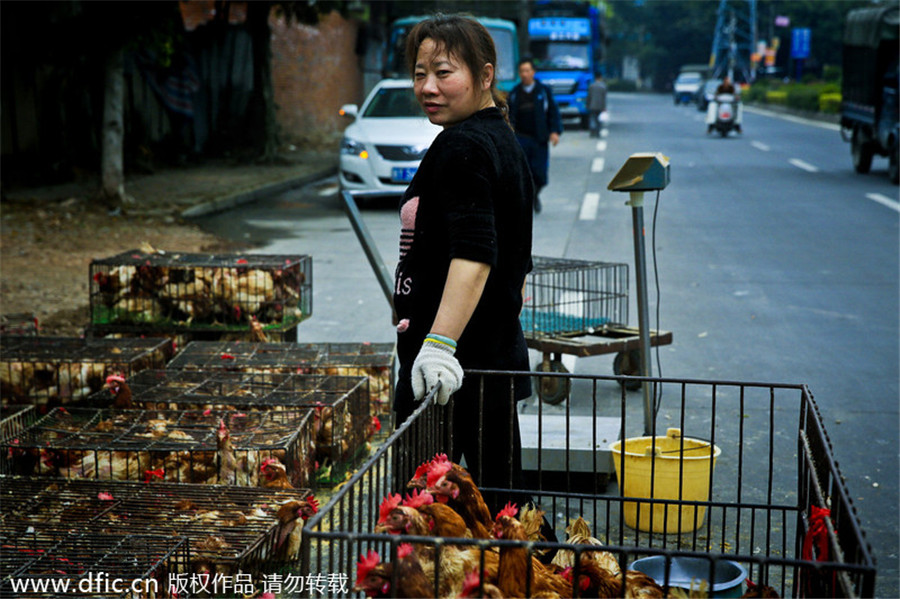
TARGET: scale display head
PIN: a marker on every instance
(644, 171)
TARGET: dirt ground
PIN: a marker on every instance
(49, 235)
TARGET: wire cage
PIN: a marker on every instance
(204, 447)
(50, 371)
(88, 564)
(160, 291)
(775, 506)
(19, 324)
(573, 297)
(228, 529)
(374, 360)
(334, 399)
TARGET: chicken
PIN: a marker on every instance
(120, 391)
(640, 586)
(375, 577)
(419, 515)
(515, 576)
(332, 441)
(442, 520)
(761, 591)
(593, 580)
(274, 475)
(451, 484)
(257, 333)
(287, 546)
(579, 533)
(227, 458)
(473, 587)
(109, 465)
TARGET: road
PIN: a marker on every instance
(775, 262)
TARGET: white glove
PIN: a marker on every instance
(434, 363)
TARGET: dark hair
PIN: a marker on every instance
(464, 38)
(526, 60)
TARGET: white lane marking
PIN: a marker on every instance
(601, 146)
(589, 206)
(804, 165)
(760, 146)
(604, 132)
(884, 201)
(790, 117)
(597, 165)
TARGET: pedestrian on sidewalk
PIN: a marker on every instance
(596, 105)
(534, 115)
(465, 249)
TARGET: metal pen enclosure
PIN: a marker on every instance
(775, 472)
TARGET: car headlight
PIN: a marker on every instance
(352, 147)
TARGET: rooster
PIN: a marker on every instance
(120, 390)
(290, 532)
(451, 484)
(515, 576)
(375, 577)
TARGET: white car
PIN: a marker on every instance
(383, 147)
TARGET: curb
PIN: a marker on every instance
(229, 202)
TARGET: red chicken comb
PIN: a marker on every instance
(150, 474)
(117, 378)
(471, 583)
(403, 550)
(422, 470)
(387, 506)
(440, 458)
(419, 499)
(313, 504)
(265, 462)
(365, 565)
(509, 509)
(438, 470)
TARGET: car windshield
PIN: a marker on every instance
(689, 78)
(560, 56)
(393, 102)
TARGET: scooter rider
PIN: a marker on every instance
(726, 87)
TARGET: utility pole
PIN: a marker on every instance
(735, 38)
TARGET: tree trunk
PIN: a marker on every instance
(262, 104)
(112, 172)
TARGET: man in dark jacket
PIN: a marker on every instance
(534, 115)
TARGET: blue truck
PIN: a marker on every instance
(565, 42)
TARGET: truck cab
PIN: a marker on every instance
(564, 50)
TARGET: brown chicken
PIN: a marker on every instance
(374, 577)
(640, 586)
(579, 533)
(451, 484)
(291, 517)
(593, 580)
(473, 587)
(274, 475)
(120, 390)
(515, 576)
(760, 591)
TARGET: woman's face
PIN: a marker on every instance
(446, 89)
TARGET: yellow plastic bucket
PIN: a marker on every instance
(676, 459)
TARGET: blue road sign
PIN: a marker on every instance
(800, 37)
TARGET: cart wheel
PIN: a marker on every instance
(628, 363)
(552, 390)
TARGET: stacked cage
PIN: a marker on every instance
(373, 360)
(225, 530)
(50, 371)
(573, 297)
(191, 446)
(771, 506)
(334, 432)
(19, 324)
(159, 292)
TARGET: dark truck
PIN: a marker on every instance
(869, 107)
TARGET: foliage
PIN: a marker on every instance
(832, 73)
(621, 85)
(830, 103)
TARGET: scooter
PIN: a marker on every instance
(725, 107)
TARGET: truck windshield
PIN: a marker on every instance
(560, 56)
(393, 102)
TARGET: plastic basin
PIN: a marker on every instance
(728, 576)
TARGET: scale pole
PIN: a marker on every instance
(636, 202)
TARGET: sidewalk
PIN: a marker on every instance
(195, 190)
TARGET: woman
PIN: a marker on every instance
(465, 249)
